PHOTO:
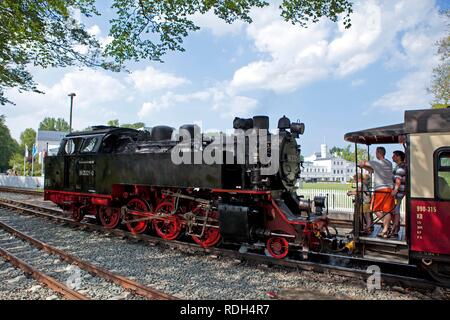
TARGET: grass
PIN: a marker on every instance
(327, 186)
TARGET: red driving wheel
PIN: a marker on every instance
(137, 205)
(109, 217)
(168, 228)
(211, 236)
(277, 247)
(77, 214)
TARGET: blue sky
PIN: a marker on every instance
(334, 80)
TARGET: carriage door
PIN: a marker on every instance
(70, 148)
(86, 164)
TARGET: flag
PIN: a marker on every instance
(26, 151)
(34, 152)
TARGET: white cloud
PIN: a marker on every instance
(152, 79)
(414, 53)
(94, 31)
(399, 34)
(92, 88)
(224, 102)
(97, 33)
(410, 93)
(170, 99)
(294, 54)
(96, 96)
(149, 107)
(218, 27)
(229, 106)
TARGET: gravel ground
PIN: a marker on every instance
(32, 199)
(15, 285)
(81, 281)
(19, 196)
(190, 276)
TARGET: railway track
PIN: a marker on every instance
(38, 259)
(391, 273)
(33, 192)
(43, 278)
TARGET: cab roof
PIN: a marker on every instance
(101, 130)
(416, 121)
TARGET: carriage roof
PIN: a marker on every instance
(416, 121)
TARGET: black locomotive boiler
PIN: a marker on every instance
(129, 177)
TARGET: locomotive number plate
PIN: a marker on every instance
(86, 173)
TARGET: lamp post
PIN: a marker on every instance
(71, 95)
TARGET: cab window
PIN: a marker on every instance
(443, 174)
(90, 145)
(69, 146)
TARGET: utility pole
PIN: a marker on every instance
(71, 95)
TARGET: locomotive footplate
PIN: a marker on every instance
(289, 214)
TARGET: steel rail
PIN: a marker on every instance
(22, 191)
(392, 278)
(52, 283)
(124, 282)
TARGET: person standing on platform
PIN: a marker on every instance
(399, 189)
(382, 200)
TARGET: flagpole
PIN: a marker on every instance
(32, 165)
(33, 154)
(24, 160)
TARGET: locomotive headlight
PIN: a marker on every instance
(319, 204)
(297, 127)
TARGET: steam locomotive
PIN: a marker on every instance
(237, 188)
(240, 189)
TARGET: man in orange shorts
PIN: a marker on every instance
(382, 200)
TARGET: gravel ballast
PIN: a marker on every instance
(15, 285)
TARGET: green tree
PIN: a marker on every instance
(16, 163)
(137, 125)
(27, 138)
(348, 153)
(336, 150)
(8, 146)
(170, 21)
(62, 125)
(44, 32)
(116, 123)
(440, 86)
(113, 123)
(439, 106)
(52, 124)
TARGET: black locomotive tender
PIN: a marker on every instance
(126, 176)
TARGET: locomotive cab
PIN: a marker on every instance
(74, 166)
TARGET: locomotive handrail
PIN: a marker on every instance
(179, 195)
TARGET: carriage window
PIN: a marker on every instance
(443, 175)
(89, 145)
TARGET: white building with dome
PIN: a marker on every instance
(324, 167)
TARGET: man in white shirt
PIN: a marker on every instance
(382, 201)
